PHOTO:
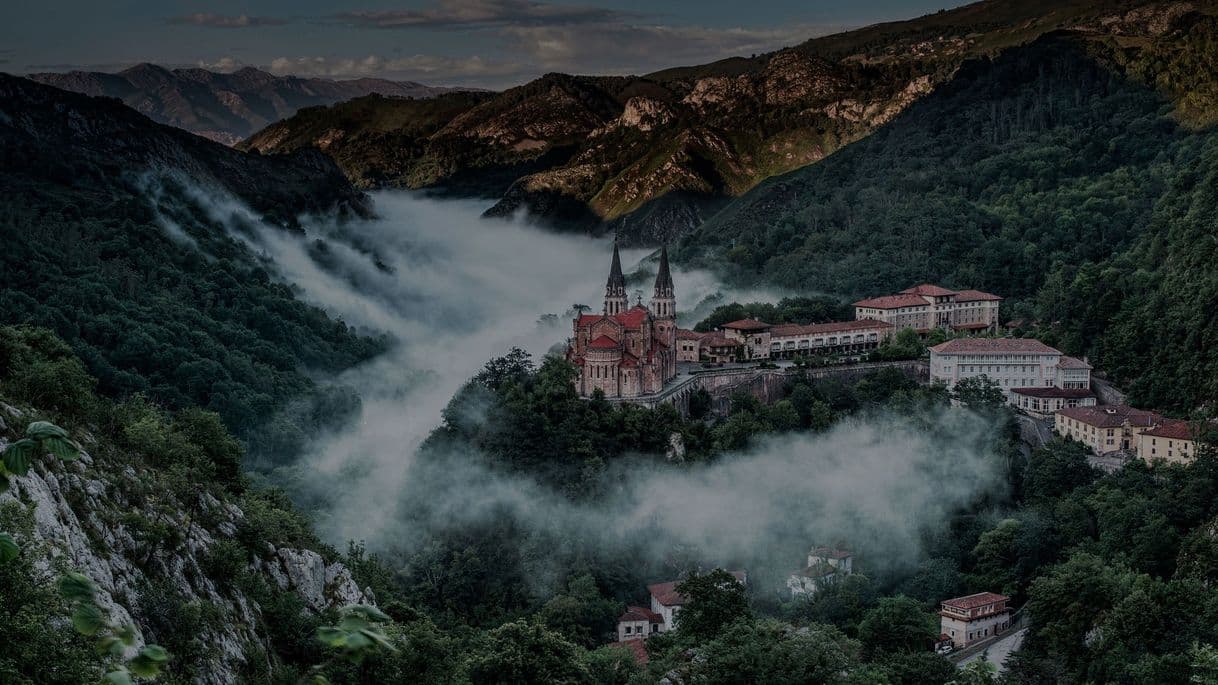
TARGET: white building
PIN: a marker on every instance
(760, 340)
(925, 307)
(666, 602)
(825, 565)
(1032, 375)
(638, 623)
(970, 619)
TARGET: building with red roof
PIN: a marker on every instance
(1172, 440)
(974, 618)
(638, 623)
(1033, 376)
(667, 601)
(627, 351)
(927, 306)
(1107, 429)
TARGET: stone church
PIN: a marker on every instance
(628, 352)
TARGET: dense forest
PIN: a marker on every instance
(1058, 175)
(164, 304)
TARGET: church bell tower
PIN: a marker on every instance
(664, 299)
(615, 288)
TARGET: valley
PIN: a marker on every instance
(838, 363)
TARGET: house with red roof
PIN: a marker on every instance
(638, 623)
(1033, 376)
(1172, 440)
(627, 351)
(666, 601)
(1108, 429)
(925, 307)
(973, 618)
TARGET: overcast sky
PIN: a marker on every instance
(489, 43)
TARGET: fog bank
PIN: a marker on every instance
(453, 290)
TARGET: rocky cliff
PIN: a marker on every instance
(94, 515)
(650, 157)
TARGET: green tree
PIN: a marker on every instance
(772, 652)
(526, 654)
(978, 392)
(581, 614)
(897, 624)
(713, 600)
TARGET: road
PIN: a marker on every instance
(998, 652)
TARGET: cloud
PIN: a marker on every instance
(224, 64)
(427, 67)
(628, 48)
(225, 21)
(480, 14)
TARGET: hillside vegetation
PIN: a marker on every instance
(191, 320)
(651, 157)
(1060, 175)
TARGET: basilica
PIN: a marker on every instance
(627, 351)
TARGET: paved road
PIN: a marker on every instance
(998, 652)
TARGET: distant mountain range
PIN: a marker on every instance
(650, 158)
(225, 107)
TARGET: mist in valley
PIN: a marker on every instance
(451, 290)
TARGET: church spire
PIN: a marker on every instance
(615, 287)
(663, 276)
(664, 300)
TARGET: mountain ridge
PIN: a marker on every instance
(650, 157)
(224, 106)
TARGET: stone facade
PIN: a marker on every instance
(971, 619)
(926, 307)
(627, 351)
(1032, 375)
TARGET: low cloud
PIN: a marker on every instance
(628, 48)
(432, 276)
(423, 67)
(480, 14)
(225, 21)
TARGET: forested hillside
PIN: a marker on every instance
(1045, 175)
(650, 157)
(167, 306)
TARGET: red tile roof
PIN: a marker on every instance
(588, 319)
(929, 290)
(787, 330)
(746, 325)
(993, 345)
(1072, 363)
(893, 302)
(974, 601)
(1173, 429)
(666, 593)
(683, 334)
(636, 647)
(1053, 392)
(976, 296)
(640, 614)
(1112, 416)
(633, 317)
(604, 343)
